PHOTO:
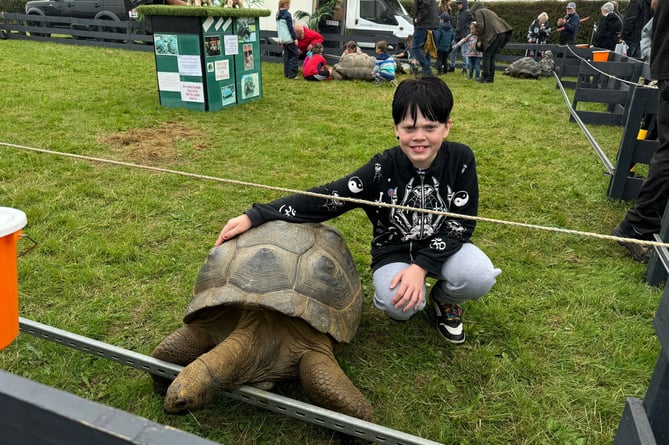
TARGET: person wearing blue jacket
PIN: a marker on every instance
(568, 25)
(384, 65)
(287, 39)
(444, 41)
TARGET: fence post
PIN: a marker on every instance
(645, 423)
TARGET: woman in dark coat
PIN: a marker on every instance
(608, 30)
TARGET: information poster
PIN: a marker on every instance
(247, 61)
(215, 67)
(179, 70)
(219, 62)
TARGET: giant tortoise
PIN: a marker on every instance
(271, 304)
(528, 68)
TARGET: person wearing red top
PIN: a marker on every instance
(315, 66)
(306, 39)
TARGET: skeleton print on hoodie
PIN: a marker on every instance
(401, 233)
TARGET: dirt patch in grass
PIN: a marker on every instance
(166, 142)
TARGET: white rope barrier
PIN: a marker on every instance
(353, 200)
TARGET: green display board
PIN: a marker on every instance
(247, 60)
(206, 62)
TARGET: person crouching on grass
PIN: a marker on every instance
(423, 172)
(315, 67)
(384, 66)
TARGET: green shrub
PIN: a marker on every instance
(519, 15)
(12, 5)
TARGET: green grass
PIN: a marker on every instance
(552, 352)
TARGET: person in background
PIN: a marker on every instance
(444, 43)
(616, 11)
(351, 48)
(568, 25)
(462, 21)
(315, 66)
(609, 26)
(306, 39)
(637, 15)
(473, 54)
(644, 218)
(539, 31)
(405, 63)
(445, 7)
(424, 172)
(287, 39)
(493, 33)
(646, 39)
(384, 66)
(426, 18)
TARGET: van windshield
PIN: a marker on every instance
(381, 11)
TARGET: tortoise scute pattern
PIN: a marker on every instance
(303, 273)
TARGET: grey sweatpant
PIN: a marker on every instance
(466, 275)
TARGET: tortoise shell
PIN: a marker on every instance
(300, 270)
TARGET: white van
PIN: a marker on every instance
(377, 17)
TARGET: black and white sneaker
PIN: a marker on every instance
(449, 322)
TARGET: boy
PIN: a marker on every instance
(315, 67)
(424, 172)
(411, 65)
(384, 67)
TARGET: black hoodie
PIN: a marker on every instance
(450, 184)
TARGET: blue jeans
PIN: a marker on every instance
(419, 39)
(474, 65)
(463, 53)
(468, 274)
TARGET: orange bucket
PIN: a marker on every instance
(11, 223)
(601, 56)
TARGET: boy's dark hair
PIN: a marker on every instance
(382, 45)
(317, 48)
(430, 95)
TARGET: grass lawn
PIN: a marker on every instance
(552, 352)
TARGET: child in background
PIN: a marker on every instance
(410, 65)
(315, 66)
(473, 54)
(425, 171)
(384, 67)
(444, 42)
(351, 48)
(287, 39)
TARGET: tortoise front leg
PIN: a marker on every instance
(326, 384)
(181, 347)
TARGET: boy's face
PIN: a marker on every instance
(421, 141)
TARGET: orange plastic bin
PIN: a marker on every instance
(601, 56)
(11, 223)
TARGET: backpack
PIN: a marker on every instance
(282, 32)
